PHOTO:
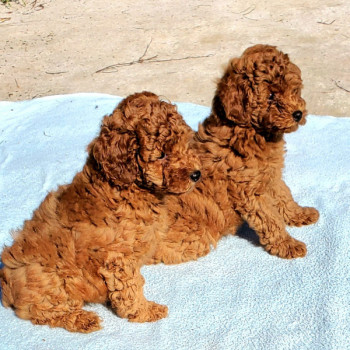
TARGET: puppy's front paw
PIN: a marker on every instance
(305, 216)
(288, 249)
(149, 313)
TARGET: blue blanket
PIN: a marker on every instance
(237, 297)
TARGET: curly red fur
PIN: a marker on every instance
(241, 148)
(88, 240)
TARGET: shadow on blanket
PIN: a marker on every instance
(248, 234)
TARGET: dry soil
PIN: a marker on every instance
(175, 48)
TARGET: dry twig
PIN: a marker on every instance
(339, 86)
(141, 59)
(326, 23)
(55, 72)
(246, 12)
(36, 6)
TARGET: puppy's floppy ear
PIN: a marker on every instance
(114, 150)
(231, 94)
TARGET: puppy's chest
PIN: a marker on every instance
(257, 173)
(266, 173)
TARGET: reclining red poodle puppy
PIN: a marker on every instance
(88, 240)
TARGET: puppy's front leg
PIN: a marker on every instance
(264, 218)
(125, 290)
(293, 214)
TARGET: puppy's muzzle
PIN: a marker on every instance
(195, 176)
(297, 115)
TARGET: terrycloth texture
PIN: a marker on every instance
(237, 297)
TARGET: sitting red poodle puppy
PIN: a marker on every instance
(241, 148)
(87, 240)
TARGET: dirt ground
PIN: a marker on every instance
(175, 48)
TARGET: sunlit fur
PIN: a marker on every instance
(88, 240)
(241, 147)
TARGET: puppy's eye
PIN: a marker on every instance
(272, 96)
(162, 156)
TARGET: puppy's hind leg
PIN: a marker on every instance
(183, 244)
(125, 289)
(38, 295)
(195, 228)
(73, 320)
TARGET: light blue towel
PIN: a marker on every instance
(237, 297)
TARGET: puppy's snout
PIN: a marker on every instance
(195, 176)
(297, 115)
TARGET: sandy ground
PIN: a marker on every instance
(175, 48)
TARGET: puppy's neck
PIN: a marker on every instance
(244, 141)
(151, 189)
(215, 130)
(273, 137)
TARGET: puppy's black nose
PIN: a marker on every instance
(297, 115)
(195, 176)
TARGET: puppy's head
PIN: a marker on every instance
(262, 90)
(146, 141)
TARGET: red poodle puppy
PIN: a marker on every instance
(88, 240)
(241, 148)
